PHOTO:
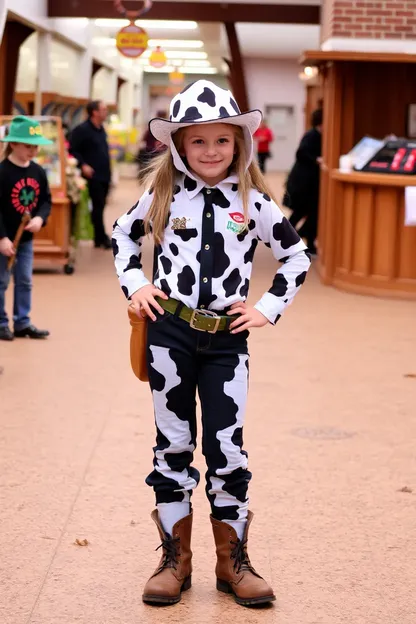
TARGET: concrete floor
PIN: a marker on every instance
(331, 432)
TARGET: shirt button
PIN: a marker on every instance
(207, 247)
(208, 191)
(205, 280)
(208, 215)
(202, 306)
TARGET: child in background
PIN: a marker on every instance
(24, 189)
(207, 206)
(263, 137)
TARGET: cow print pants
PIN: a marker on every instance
(182, 360)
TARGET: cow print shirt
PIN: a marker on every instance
(205, 259)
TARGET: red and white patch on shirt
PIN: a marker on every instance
(237, 217)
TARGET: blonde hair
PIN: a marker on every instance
(160, 177)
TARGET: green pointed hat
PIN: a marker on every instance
(26, 130)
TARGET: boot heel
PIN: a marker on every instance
(223, 586)
(187, 584)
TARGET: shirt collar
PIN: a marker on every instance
(228, 187)
(94, 126)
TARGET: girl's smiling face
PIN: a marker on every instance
(209, 150)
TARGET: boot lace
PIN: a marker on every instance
(240, 556)
(170, 552)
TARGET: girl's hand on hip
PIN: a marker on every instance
(7, 247)
(250, 317)
(143, 301)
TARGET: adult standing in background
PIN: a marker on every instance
(89, 146)
(263, 136)
(303, 181)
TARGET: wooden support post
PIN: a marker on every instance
(14, 35)
(237, 76)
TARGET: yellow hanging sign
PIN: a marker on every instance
(176, 77)
(132, 41)
(157, 58)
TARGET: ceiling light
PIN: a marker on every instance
(197, 63)
(79, 21)
(176, 43)
(177, 54)
(199, 70)
(310, 71)
(186, 54)
(185, 70)
(157, 24)
(103, 41)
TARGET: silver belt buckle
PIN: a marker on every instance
(205, 313)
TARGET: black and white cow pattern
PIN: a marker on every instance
(204, 230)
(175, 372)
(202, 100)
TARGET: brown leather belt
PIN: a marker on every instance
(201, 320)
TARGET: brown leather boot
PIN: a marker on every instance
(235, 574)
(173, 575)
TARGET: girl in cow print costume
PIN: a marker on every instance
(207, 207)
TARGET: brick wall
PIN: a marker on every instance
(375, 19)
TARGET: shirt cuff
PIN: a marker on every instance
(131, 281)
(271, 307)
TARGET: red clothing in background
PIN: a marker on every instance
(264, 137)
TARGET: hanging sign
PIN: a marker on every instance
(157, 58)
(176, 77)
(132, 15)
(132, 41)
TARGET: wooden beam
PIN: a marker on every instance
(14, 35)
(317, 57)
(237, 77)
(198, 11)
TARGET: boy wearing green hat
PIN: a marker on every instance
(24, 190)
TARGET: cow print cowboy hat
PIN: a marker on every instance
(205, 102)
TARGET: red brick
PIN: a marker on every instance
(378, 28)
(342, 33)
(367, 20)
(394, 20)
(405, 13)
(392, 36)
(403, 29)
(394, 6)
(354, 12)
(369, 5)
(378, 13)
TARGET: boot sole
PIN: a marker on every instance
(225, 587)
(168, 600)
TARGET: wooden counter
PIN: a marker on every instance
(366, 247)
(51, 244)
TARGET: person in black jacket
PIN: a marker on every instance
(90, 147)
(303, 182)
